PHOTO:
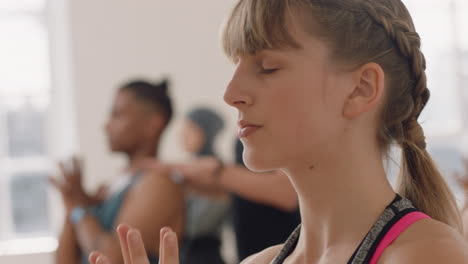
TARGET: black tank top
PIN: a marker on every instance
(394, 212)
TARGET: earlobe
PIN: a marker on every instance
(369, 83)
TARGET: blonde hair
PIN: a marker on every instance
(358, 32)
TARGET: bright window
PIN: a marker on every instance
(25, 94)
(440, 24)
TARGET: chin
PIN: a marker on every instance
(258, 162)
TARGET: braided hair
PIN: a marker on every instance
(360, 32)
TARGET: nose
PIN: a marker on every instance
(236, 94)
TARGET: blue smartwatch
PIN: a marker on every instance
(77, 214)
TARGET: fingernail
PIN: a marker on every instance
(122, 226)
(165, 230)
(100, 260)
(134, 237)
(171, 238)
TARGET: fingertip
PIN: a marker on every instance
(171, 238)
(134, 237)
(165, 229)
(123, 227)
(52, 180)
(102, 260)
(93, 257)
(122, 230)
(163, 232)
(171, 248)
(136, 247)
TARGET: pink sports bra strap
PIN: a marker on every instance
(396, 230)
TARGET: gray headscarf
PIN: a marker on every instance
(205, 216)
(210, 123)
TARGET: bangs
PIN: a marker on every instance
(256, 25)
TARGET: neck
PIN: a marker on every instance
(341, 196)
(135, 158)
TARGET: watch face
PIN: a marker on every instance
(77, 214)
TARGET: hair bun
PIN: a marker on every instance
(164, 85)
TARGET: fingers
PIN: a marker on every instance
(98, 258)
(77, 164)
(136, 247)
(162, 233)
(122, 230)
(93, 257)
(55, 182)
(102, 260)
(71, 169)
(63, 169)
(170, 249)
(61, 186)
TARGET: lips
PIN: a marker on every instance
(246, 129)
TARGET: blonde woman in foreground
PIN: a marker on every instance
(323, 89)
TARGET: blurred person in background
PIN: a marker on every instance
(205, 214)
(140, 114)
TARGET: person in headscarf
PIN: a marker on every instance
(205, 215)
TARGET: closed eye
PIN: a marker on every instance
(268, 71)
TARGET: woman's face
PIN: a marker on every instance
(192, 137)
(290, 103)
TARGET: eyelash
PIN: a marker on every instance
(268, 71)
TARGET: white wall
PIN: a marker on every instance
(116, 40)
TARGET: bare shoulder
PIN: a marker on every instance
(154, 193)
(157, 181)
(427, 241)
(264, 257)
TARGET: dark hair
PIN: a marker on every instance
(154, 95)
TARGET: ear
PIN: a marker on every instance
(368, 90)
(154, 125)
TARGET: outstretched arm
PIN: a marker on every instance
(269, 188)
